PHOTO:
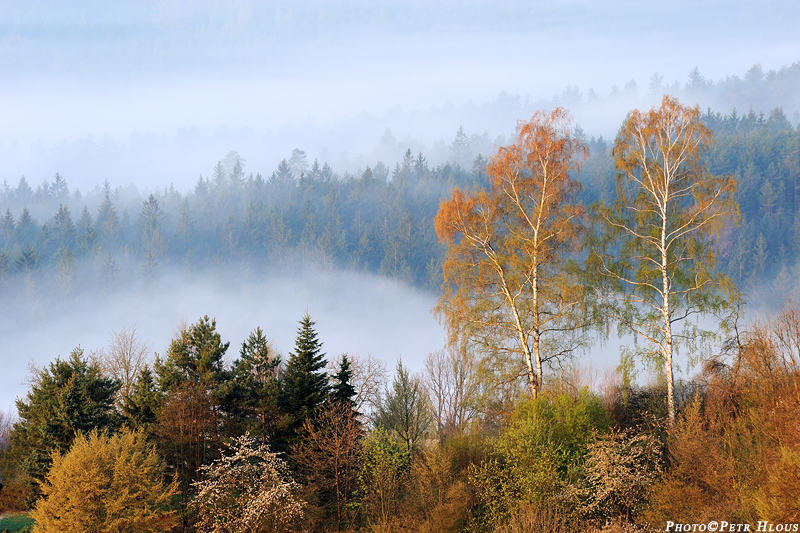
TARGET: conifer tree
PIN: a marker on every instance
(86, 232)
(141, 406)
(342, 391)
(68, 398)
(195, 360)
(304, 386)
(7, 226)
(253, 392)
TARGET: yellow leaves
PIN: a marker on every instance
(108, 484)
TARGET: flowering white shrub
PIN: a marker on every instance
(247, 490)
(619, 473)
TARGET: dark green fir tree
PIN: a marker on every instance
(253, 391)
(342, 390)
(141, 407)
(304, 384)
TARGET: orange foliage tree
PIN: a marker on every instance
(507, 289)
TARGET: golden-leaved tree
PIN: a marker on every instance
(112, 484)
(508, 291)
(655, 259)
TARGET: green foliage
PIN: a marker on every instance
(252, 394)
(304, 384)
(538, 454)
(68, 398)
(195, 357)
(405, 411)
(384, 467)
(108, 484)
(342, 389)
(653, 257)
(192, 381)
(140, 408)
(15, 524)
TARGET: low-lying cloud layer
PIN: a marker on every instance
(354, 313)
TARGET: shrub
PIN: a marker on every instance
(104, 484)
(538, 454)
(247, 490)
(619, 473)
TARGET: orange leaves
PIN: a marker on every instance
(454, 215)
(505, 267)
(662, 149)
(531, 185)
(544, 150)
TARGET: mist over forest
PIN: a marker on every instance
(453, 266)
(357, 249)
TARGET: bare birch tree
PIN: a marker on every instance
(451, 380)
(124, 359)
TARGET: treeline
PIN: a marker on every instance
(317, 443)
(62, 242)
(377, 221)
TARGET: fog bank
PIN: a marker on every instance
(354, 313)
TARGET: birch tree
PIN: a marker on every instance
(508, 291)
(655, 252)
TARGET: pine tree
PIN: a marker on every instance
(67, 398)
(195, 359)
(254, 391)
(193, 382)
(304, 386)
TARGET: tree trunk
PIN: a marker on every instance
(665, 287)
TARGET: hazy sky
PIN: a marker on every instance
(156, 92)
(208, 76)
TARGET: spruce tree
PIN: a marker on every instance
(304, 385)
(342, 391)
(140, 408)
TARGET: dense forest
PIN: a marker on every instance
(212, 437)
(65, 243)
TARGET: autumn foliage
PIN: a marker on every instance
(500, 431)
(106, 484)
(507, 290)
(655, 257)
